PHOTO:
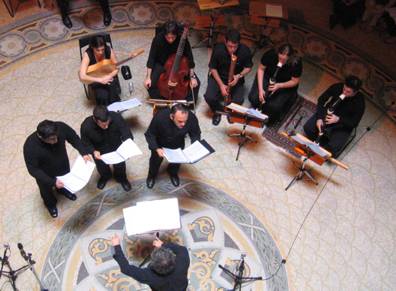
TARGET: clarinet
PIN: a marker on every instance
(271, 81)
(330, 110)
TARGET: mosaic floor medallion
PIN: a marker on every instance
(216, 229)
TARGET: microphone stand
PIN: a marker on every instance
(238, 278)
(12, 275)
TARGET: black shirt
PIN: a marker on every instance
(221, 60)
(175, 281)
(163, 132)
(161, 50)
(104, 140)
(350, 110)
(292, 68)
(46, 161)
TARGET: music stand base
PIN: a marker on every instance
(243, 139)
(301, 173)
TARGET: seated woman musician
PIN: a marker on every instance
(104, 87)
(163, 47)
(275, 88)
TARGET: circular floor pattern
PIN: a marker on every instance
(215, 228)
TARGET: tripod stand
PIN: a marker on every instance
(301, 173)
(11, 274)
(208, 41)
(243, 139)
(238, 278)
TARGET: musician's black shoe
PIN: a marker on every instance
(67, 21)
(101, 183)
(126, 185)
(150, 181)
(175, 180)
(53, 212)
(67, 194)
(216, 119)
(107, 18)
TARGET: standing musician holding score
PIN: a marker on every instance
(104, 87)
(164, 46)
(219, 66)
(274, 89)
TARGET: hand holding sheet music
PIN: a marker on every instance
(79, 175)
(192, 154)
(126, 150)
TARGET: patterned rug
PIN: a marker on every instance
(216, 229)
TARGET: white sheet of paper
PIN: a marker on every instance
(124, 105)
(149, 216)
(111, 158)
(126, 150)
(196, 151)
(257, 114)
(79, 175)
(129, 149)
(273, 10)
(175, 156)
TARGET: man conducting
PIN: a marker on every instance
(46, 158)
(168, 128)
(101, 133)
(167, 270)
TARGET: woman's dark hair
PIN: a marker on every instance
(233, 35)
(97, 41)
(101, 113)
(47, 128)
(163, 261)
(353, 82)
(286, 49)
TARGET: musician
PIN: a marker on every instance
(46, 158)
(219, 67)
(168, 268)
(337, 126)
(283, 69)
(64, 10)
(105, 87)
(168, 128)
(165, 44)
(101, 133)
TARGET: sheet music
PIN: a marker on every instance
(175, 156)
(273, 10)
(124, 105)
(311, 145)
(79, 175)
(126, 150)
(195, 152)
(257, 114)
(149, 216)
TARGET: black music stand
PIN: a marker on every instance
(238, 278)
(247, 119)
(208, 41)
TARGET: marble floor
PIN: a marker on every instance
(348, 237)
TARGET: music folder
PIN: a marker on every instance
(190, 155)
(151, 216)
(79, 175)
(126, 150)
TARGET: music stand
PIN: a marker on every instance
(244, 116)
(238, 278)
(309, 150)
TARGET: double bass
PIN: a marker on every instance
(174, 82)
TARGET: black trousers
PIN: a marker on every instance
(106, 94)
(64, 6)
(48, 195)
(155, 163)
(214, 98)
(333, 140)
(119, 171)
(154, 91)
(276, 105)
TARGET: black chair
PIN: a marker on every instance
(83, 44)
